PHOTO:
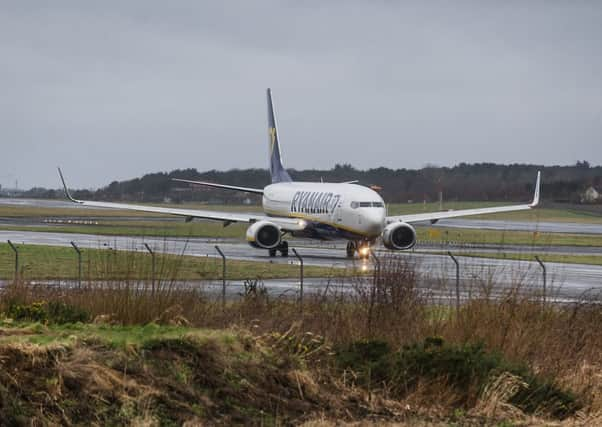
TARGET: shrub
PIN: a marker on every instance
(47, 312)
(370, 359)
(35, 312)
(59, 312)
(462, 367)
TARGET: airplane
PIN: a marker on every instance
(315, 210)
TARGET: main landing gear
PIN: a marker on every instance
(350, 249)
(362, 248)
(282, 247)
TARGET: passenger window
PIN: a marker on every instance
(365, 204)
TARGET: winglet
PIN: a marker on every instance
(536, 196)
(67, 194)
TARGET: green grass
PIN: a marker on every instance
(50, 262)
(116, 336)
(534, 215)
(144, 228)
(463, 235)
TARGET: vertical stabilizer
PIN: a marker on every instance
(277, 171)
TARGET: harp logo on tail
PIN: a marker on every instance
(272, 132)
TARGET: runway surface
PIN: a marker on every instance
(479, 274)
(542, 227)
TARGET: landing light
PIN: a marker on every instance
(302, 223)
(365, 251)
(364, 267)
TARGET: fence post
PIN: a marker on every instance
(79, 265)
(373, 291)
(457, 282)
(543, 267)
(300, 279)
(223, 276)
(152, 254)
(14, 248)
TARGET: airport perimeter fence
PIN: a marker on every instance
(298, 259)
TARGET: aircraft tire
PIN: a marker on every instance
(284, 248)
(350, 249)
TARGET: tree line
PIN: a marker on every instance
(463, 182)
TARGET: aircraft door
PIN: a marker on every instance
(338, 212)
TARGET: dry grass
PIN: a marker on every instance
(560, 343)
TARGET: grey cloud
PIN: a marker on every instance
(112, 90)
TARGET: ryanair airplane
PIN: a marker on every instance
(315, 210)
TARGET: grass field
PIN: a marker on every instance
(534, 215)
(50, 262)
(107, 227)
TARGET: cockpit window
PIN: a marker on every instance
(355, 205)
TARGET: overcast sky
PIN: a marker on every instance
(113, 90)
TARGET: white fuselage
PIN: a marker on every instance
(332, 210)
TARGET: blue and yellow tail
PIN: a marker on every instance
(277, 171)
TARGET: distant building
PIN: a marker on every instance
(10, 192)
(590, 196)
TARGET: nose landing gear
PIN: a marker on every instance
(282, 247)
(362, 248)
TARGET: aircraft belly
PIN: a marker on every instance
(318, 230)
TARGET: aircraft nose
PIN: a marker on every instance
(374, 221)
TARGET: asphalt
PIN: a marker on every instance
(539, 226)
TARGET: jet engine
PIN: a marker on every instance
(399, 236)
(263, 234)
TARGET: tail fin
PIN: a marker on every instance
(277, 171)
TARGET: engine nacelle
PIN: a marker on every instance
(399, 236)
(264, 234)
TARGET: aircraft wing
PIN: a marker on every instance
(433, 217)
(287, 224)
(222, 186)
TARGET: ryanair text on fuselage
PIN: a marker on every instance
(314, 202)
